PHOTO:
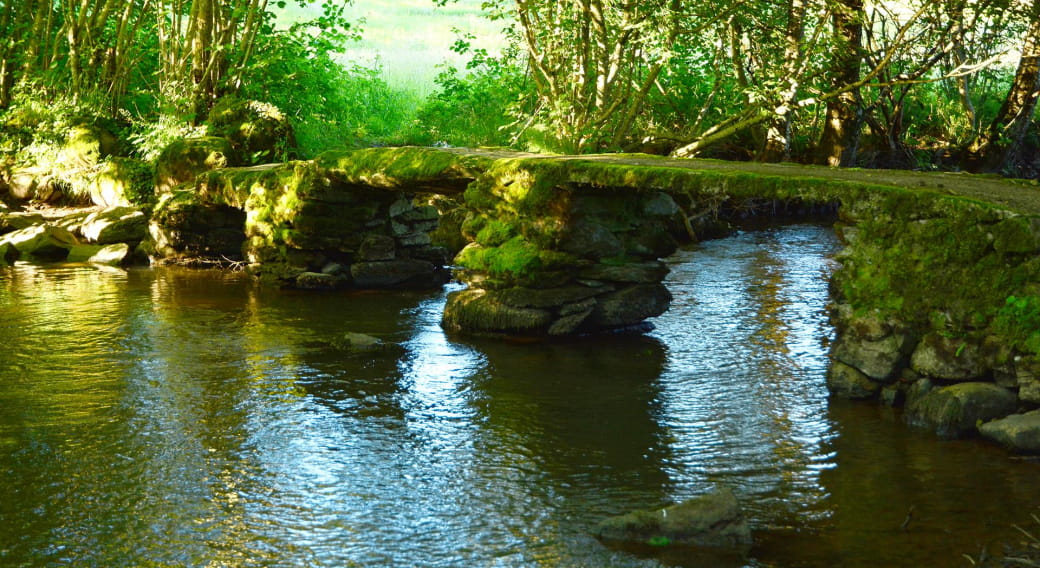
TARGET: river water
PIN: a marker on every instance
(165, 417)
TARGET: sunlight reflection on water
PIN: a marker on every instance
(170, 417)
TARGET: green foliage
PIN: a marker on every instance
(329, 105)
(150, 137)
(478, 107)
(1019, 318)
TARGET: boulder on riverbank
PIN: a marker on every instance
(115, 225)
(845, 381)
(714, 519)
(42, 242)
(258, 132)
(1017, 432)
(186, 158)
(955, 411)
(111, 255)
(949, 358)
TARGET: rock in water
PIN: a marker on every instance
(955, 411)
(713, 520)
(1018, 432)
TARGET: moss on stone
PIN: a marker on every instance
(477, 311)
(406, 167)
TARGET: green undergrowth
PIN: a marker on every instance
(1019, 319)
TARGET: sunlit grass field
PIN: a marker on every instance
(409, 39)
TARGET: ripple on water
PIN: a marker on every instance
(167, 417)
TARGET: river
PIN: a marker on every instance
(169, 417)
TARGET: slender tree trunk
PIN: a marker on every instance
(997, 148)
(842, 120)
(778, 133)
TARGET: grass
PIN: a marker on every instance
(409, 39)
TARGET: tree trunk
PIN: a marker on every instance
(997, 148)
(842, 120)
(778, 134)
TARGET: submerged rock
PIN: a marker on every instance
(714, 519)
(8, 254)
(405, 273)
(361, 343)
(1018, 432)
(321, 281)
(956, 410)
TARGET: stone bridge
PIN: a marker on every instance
(940, 275)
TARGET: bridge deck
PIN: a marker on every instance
(1022, 196)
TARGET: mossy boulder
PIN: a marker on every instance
(955, 411)
(714, 519)
(258, 132)
(86, 145)
(480, 312)
(115, 225)
(184, 159)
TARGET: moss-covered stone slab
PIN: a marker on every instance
(407, 168)
(714, 519)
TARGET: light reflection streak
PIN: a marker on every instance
(746, 405)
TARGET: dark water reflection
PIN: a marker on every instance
(176, 418)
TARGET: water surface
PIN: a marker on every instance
(190, 418)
